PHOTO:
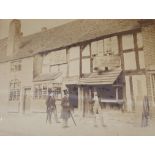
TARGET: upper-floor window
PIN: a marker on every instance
(16, 66)
(132, 46)
(74, 61)
(14, 90)
(55, 57)
(107, 46)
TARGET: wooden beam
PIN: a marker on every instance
(123, 72)
(135, 72)
(81, 49)
(136, 50)
(67, 56)
(91, 59)
(131, 50)
(132, 93)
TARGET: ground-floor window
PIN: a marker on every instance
(14, 94)
(41, 91)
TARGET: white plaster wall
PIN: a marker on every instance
(25, 76)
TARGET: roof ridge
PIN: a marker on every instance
(55, 27)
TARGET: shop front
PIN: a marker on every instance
(109, 87)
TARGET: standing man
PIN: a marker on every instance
(97, 110)
(65, 112)
(146, 112)
(51, 107)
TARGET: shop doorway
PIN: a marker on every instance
(73, 95)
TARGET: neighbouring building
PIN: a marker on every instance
(116, 58)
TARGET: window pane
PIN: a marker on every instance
(74, 53)
(127, 41)
(74, 68)
(139, 40)
(86, 51)
(141, 59)
(100, 47)
(56, 57)
(86, 66)
(130, 61)
(94, 48)
(54, 69)
(107, 46)
(63, 69)
(114, 45)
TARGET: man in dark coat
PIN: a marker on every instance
(51, 107)
(146, 112)
(65, 113)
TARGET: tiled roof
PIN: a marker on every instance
(66, 35)
(106, 78)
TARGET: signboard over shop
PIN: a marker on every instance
(110, 62)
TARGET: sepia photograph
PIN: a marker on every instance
(77, 77)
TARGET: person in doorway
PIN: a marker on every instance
(51, 107)
(97, 110)
(65, 113)
(146, 112)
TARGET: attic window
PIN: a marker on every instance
(16, 66)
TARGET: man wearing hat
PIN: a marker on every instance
(65, 112)
(51, 106)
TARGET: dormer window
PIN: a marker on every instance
(16, 66)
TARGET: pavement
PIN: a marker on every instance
(34, 124)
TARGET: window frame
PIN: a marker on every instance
(15, 91)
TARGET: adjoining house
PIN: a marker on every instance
(116, 58)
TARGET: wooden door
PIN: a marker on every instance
(27, 100)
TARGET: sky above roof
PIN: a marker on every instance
(30, 26)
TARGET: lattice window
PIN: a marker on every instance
(16, 66)
(14, 94)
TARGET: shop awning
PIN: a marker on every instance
(104, 78)
(47, 77)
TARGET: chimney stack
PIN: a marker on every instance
(14, 36)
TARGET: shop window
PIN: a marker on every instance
(41, 91)
(14, 90)
(16, 66)
(38, 91)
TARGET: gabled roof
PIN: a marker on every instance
(66, 35)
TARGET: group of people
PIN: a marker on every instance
(67, 109)
(97, 110)
(52, 109)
